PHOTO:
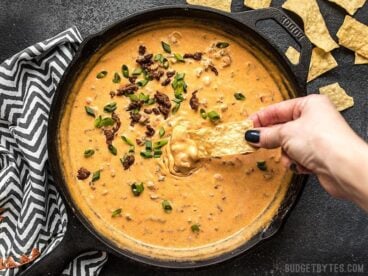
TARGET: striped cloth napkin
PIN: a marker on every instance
(33, 219)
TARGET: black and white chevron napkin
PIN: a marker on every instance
(32, 214)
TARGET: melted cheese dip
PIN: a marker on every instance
(215, 208)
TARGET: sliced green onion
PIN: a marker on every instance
(125, 71)
(148, 145)
(143, 97)
(146, 154)
(133, 98)
(157, 153)
(90, 111)
(142, 83)
(166, 47)
(161, 132)
(116, 78)
(179, 57)
(111, 107)
(137, 71)
(101, 75)
(89, 153)
(239, 96)
(127, 141)
(165, 63)
(261, 164)
(137, 188)
(159, 58)
(213, 116)
(195, 228)
(100, 122)
(150, 101)
(222, 45)
(96, 176)
(160, 144)
(175, 109)
(112, 149)
(116, 213)
(203, 113)
(166, 205)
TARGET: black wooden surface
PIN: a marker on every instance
(320, 229)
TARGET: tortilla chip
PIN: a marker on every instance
(224, 5)
(360, 60)
(338, 96)
(293, 55)
(354, 36)
(257, 4)
(321, 62)
(314, 24)
(351, 6)
(221, 140)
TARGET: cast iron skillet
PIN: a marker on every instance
(80, 235)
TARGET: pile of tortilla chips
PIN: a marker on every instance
(352, 33)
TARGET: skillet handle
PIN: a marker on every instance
(251, 18)
(77, 240)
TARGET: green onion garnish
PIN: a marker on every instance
(111, 107)
(116, 78)
(112, 149)
(159, 58)
(143, 97)
(239, 96)
(157, 153)
(101, 75)
(148, 145)
(166, 205)
(160, 144)
(89, 153)
(161, 132)
(166, 47)
(146, 154)
(116, 213)
(222, 45)
(125, 71)
(142, 83)
(213, 116)
(137, 188)
(165, 63)
(179, 57)
(137, 72)
(203, 113)
(90, 111)
(175, 108)
(127, 141)
(96, 176)
(100, 122)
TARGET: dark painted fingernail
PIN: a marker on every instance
(252, 136)
(293, 167)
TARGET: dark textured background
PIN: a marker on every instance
(320, 229)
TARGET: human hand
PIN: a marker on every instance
(315, 138)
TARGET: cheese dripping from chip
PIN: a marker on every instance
(314, 25)
(187, 146)
(224, 5)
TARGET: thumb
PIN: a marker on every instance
(264, 137)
